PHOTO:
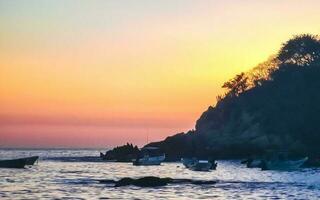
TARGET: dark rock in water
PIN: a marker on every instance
(124, 182)
(149, 181)
(107, 181)
(199, 182)
(152, 181)
(124, 153)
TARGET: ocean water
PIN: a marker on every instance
(65, 174)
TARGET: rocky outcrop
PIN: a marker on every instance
(125, 153)
(269, 112)
(152, 181)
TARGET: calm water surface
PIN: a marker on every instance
(57, 177)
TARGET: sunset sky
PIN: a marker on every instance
(99, 73)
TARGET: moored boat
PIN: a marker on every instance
(201, 165)
(283, 165)
(149, 156)
(31, 160)
(13, 163)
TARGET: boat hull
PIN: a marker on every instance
(31, 160)
(14, 163)
(201, 166)
(198, 165)
(287, 165)
(149, 161)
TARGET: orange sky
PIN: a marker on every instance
(100, 73)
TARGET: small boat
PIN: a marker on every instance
(254, 163)
(201, 165)
(13, 163)
(188, 162)
(283, 165)
(149, 156)
(31, 160)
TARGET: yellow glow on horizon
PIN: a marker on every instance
(157, 61)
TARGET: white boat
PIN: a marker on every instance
(283, 165)
(201, 165)
(150, 156)
(198, 165)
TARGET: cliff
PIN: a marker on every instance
(273, 107)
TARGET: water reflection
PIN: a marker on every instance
(78, 180)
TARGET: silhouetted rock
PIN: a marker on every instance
(152, 181)
(274, 107)
(125, 153)
(149, 181)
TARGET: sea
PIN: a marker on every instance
(75, 174)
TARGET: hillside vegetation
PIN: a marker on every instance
(275, 106)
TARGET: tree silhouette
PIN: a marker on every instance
(236, 85)
(302, 50)
(262, 72)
